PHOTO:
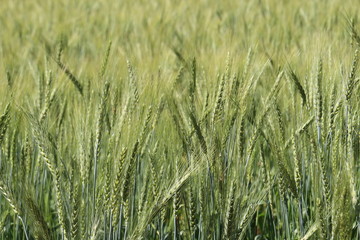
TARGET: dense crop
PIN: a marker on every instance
(179, 120)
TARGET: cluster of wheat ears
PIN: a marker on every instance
(263, 151)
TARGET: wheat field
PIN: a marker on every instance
(179, 120)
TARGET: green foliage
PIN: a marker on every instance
(195, 120)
